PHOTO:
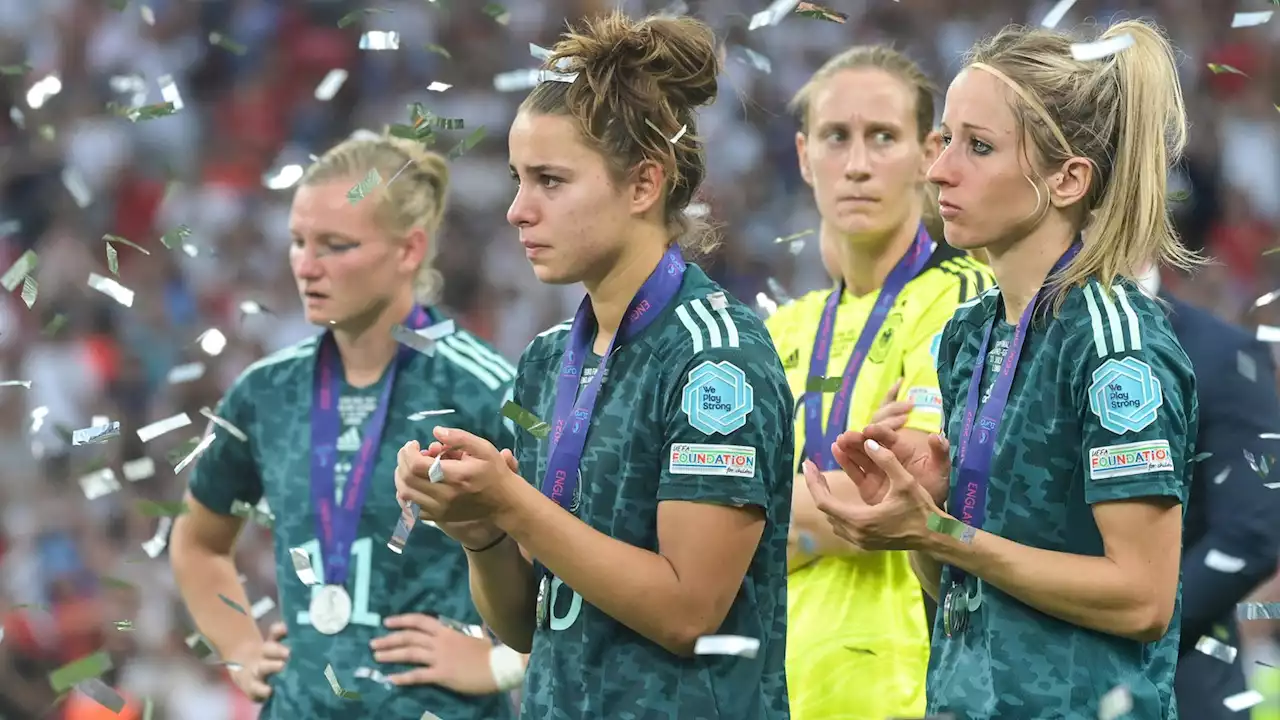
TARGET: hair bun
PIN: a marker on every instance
(657, 58)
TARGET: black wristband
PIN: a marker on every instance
(490, 546)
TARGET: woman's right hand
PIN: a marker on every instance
(474, 533)
(267, 660)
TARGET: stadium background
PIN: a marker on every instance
(72, 568)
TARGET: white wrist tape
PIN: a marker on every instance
(507, 667)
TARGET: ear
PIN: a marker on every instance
(1071, 183)
(648, 181)
(932, 147)
(802, 156)
(414, 250)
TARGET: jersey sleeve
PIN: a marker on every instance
(920, 385)
(727, 428)
(226, 471)
(1136, 394)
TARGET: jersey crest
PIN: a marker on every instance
(717, 398)
(884, 340)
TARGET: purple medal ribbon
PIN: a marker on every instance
(817, 442)
(336, 525)
(573, 410)
(968, 500)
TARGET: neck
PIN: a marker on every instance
(365, 343)
(1022, 265)
(866, 261)
(611, 294)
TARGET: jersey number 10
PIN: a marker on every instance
(361, 566)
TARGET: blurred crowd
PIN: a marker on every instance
(242, 75)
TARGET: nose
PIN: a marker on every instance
(857, 165)
(521, 214)
(306, 266)
(942, 172)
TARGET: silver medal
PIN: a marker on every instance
(959, 609)
(946, 613)
(544, 597)
(330, 609)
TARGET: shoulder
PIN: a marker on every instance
(1118, 319)
(973, 313)
(797, 318)
(952, 275)
(278, 368)
(475, 360)
(708, 321)
(548, 344)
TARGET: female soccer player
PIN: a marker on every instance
(656, 510)
(865, 144)
(320, 421)
(1069, 402)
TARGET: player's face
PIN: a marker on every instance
(862, 155)
(985, 195)
(344, 264)
(570, 214)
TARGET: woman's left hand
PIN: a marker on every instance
(898, 522)
(475, 478)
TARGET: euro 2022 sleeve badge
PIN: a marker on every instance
(1125, 395)
(717, 398)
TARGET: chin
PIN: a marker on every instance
(553, 275)
(962, 239)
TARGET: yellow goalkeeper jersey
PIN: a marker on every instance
(857, 634)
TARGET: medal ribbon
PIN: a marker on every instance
(968, 500)
(573, 410)
(817, 442)
(336, 525)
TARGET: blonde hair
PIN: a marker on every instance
(410, 196)
(903, 68)
(1125, 115)
(634, 100)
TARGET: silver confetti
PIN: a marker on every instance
(773, 14)
(151, 431)
(380, 40)
(366, 673)
(195, 452)
(430, 413)
(96, 434)
(1221, 477)
(262, 607)
(1215, 649)
(169, 91)
(1258, 611)
(436, 473)
(139, 469)
(1115, 704)
(185, 373)
(539, 52)
(404, 525)
(99, 483)
(1217, 560)
(331, 84)
(338, 690)
(1247, 366)
(16, 383)
(155, 546)
(1054, 17)
(212, 342)
(29, 291)
(726, 645)
(1268, 333)
(102, 694)
(1250, 19)
(111, 289)
(1243, 701)
(75, 184)
(302, 565)
(21, 268)
(755, 59)
(1102, 48)
(424, 340)
(436, 86)
(236, 432)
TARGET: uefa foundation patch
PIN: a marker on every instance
(1113, 461)
(697, 459)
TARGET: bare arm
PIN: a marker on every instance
(504, 590)
(201, 551)
(673, 596)
(1129, 591)
(929, 572)
(808, 521)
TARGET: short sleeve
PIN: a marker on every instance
(226, 471)
(1136, 394)
(727, 428)
(920, 385)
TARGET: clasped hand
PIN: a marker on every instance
(474, 483)
(894, 510)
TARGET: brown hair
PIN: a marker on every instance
(411, 195)
(638, 84)
(903, 68)
(1125, 115)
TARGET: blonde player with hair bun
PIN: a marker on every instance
(321, 421)
(1071, 411)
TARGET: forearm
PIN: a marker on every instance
(202, 577)
(504, 590)
(811, 533)
(1092, 592)
(929, 572)
(638, 588)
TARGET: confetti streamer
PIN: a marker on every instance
(175, 237)
(1260, 465)
(75, 184)
(1217, 560)
(16, 383)
(302, 565)
(366, 673)
(226, 43)
(99, 483)
(76, 672)
(1056, 13)
(1250, 19)
(1218, 69)
(438, 87)
(232, 604)
(823, 385)
(430, 413)
(380, 40)
(240, 508)
(236, 432)
(364, 187)
(1115, 704)
(151, 508)
(404, 525)
(1102, 48)
(150, 432)
(185, 373)
(169, 91)
(773, 14)
(155, 546)
(526, 420)
(497, 12)
(467, 143)
(817, 12)
(539, 52)
(356, 15)
(21, 268)
(139, 469)
(262, 607)
(726, 645)
(437, 50)
(332, 677)
(1247, 366)
(755, 59)
(29, 291)
(113, 260)
(111, 289)
(1243, 701)
(331, 84)
(21, 69)
(1221, 477)
(124, 625)
(100, 693)
(1217, 650)
(204, 445)
(96, 434)
(1258, 611)
(424, 340)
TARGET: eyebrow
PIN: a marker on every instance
(971, 126)
(543, 168)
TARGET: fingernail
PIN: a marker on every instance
(872, 445)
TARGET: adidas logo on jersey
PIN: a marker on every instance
(349, 441)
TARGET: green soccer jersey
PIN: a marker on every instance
(271, 403)
(696, 408)
(1103, 407)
